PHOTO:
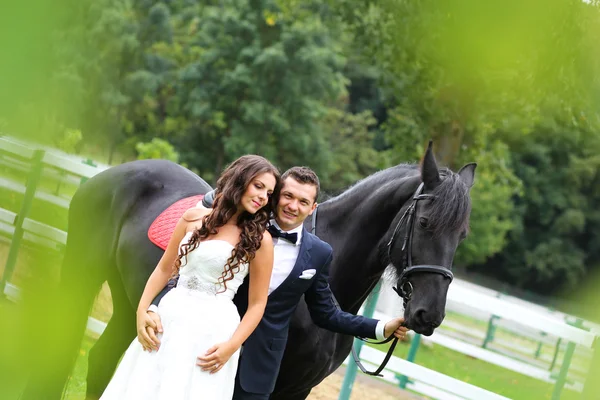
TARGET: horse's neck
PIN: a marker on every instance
(356, 224)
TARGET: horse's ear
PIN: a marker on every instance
(429, 169)
(467, 174)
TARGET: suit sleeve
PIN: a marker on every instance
(170, 285)
(326, 313)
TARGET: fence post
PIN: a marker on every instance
(538, 351)
(564, 368)
(351, 369)
(32, 181)
(412, 352)
(556, 350)
(491, 330)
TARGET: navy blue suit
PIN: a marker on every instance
(263, 350)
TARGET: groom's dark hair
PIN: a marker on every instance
(303, 175)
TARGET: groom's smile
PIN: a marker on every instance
(296, 202)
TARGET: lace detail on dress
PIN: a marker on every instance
(204, 266)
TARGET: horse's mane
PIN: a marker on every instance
(375, 181)
(449, 212)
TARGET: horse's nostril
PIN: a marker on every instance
(425, 318)
(421, 317)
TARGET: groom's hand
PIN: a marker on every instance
(148, 324)
(394, 327)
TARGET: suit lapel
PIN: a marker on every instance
(302, 261)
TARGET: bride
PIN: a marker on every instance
(212, 250)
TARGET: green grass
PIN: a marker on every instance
(76, 386)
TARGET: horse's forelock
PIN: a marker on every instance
(452, 205)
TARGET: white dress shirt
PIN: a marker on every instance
(284, 257)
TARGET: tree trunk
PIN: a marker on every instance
(219, 163)
(114, 138)
(447, 141)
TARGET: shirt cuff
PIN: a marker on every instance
(380, 330)
(153, 308)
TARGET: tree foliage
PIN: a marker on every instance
(157, 149)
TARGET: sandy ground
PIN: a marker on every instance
(364, 388)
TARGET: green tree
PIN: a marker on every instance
(157, 148)
(351, 144)
(476, 77)
(70, 140)
(97, 51)
(555, 243)
(261, 85)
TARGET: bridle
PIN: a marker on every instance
(405, 288)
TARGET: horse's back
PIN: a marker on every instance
(111, 213)
(140, 177)
(138, 185)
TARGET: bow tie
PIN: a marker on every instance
(290, 237)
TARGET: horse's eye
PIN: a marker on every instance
(423, 222)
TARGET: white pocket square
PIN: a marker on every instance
(308, 273)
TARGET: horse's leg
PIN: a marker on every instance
(135, 258)
(60, 319)
(118, 334)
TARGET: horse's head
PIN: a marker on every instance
(424, 238)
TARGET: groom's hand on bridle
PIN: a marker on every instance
(148, 325)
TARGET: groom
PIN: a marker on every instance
(300, 267)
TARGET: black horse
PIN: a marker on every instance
(402, 217)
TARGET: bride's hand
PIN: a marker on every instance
(216, 357)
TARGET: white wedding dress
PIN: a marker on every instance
(194, 317)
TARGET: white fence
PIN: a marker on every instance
(424, 380)
(34, 162)
(532, 318)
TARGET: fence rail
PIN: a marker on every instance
(426, 381)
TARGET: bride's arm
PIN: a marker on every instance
(164, 269)
(157, 281)
(160, 277)
(260, 277)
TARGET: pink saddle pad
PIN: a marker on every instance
(163, 226)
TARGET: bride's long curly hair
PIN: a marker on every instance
(231, 186)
